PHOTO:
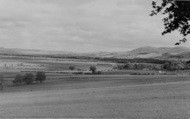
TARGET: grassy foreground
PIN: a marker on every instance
(136, 97)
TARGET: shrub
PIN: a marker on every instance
(128, 66)
(72, 68)
(93, 69)
(134, 73)
(28, 78)
(40, 76)
(80, 72)
(153, 74)
(18, 79)
(99, 72)
(120, 66)
(90, 73)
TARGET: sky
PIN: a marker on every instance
(81, 25)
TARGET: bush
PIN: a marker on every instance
(93, 69)
(120, 66)
(80, 72)
(128, 66)
(72, 68)
(28, 78)
(99, 72)
(90, 73)
(18, 79)
(40, 76)
(134, 73)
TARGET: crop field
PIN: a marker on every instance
(104, 96)
(55, 68)
(18, 63)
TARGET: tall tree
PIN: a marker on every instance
(40, 76)
(93, 69)
(176, 16)
(28, 78)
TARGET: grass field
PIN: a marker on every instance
(104, 96)
(19, 63)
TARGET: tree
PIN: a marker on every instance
(40, 76)
(177, 16)
(128, 66)
(93, 69)
(18, 79)
(166, 66)
(177, 65)
(28, 78)
(188, 65)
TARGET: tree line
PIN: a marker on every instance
(29, 78)
(171, 66)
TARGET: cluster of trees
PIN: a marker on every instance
(176, 65)
(139, 66)
(29, 78)
(94, 70)
(172, 65)
(135, 60)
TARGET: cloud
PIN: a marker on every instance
(79, 25)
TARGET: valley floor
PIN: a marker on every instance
(137, 97)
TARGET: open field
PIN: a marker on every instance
(122, 96)
(25, 63)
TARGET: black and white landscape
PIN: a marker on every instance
(94, 59)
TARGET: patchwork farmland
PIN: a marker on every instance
(77, 93)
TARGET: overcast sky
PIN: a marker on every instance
(81, 25)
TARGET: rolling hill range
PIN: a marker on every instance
(161, 52)
(12, 51)
(149, 52)
(142, 52)
(7, 51)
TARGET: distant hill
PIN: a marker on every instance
(145, 52)
(142, 52)
(185, 55)
(7, 51)
(44, 52)
(148, 50)
(14, 51)
(160, 52)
